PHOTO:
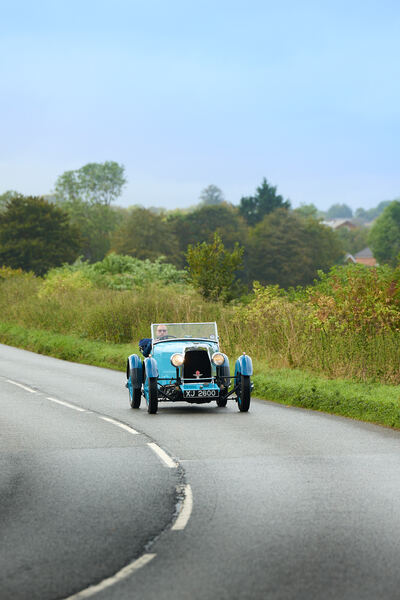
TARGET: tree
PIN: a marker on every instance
(254, 208)
(288, 249)
(4, 198)
(372, 213)
(96, 222)
(384, 237)
(36, 235)
(308, 210)
(145, 234)
(353, 240)
(211, 195)
(339, 211)
(95, 183)
(213, 269)
(201, 224)
(86, 195)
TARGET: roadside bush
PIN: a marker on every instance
(118, 272)
(357, 298)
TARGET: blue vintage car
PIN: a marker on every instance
(183, 362)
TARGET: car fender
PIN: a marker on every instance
(151, 368)
(243, 366)
(134, 369)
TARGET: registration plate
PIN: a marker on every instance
(200, 393)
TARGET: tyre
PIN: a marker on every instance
(135, 397)
(152, 402)
(135, 394)
(244, 393)
(221, 402)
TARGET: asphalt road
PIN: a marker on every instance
(287, 504)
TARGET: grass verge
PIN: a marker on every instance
(371, 402)
(67, 347)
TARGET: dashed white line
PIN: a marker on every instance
(186, 510)
(24, 387)
(122, 574)
(122, 425)
(67, 404)
(167, 460)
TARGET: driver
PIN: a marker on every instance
(161, 332)
(145, 343)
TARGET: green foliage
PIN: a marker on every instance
(308, 210)
(201, 224)
(36, 235)
(384, 237)
(86, 195)
(96, 222)
(352, 240)
(6, 197)
(145, 235)
(358, 298)
(9, 273)
(211, 195)
(115, 272)
(339, 211)
(374, 403)
(213, 269)
(254, 208)
(63, 280)
(94, 183)
(369, 215)
(288, 249)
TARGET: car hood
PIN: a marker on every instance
(162, 352)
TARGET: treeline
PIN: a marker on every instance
(280, 245)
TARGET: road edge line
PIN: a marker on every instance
(24, 387)
(162, 455)
(118, 576)
(186, 509)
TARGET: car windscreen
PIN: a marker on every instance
(184, 330)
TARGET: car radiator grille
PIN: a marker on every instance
(197, 365)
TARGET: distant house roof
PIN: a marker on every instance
(338, 223)
(364, 257)
(364, 253)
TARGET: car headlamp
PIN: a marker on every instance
(218, 359)
(177, 360)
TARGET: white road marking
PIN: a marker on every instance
(186, 510)
(122, 574)
(167, 460)
(67, 404)
(122, 425)
(24, 387)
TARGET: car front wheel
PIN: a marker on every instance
(135, 397)
(152, 402)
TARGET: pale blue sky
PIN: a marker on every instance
(185, 94)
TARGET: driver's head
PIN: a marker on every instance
(161, 330)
